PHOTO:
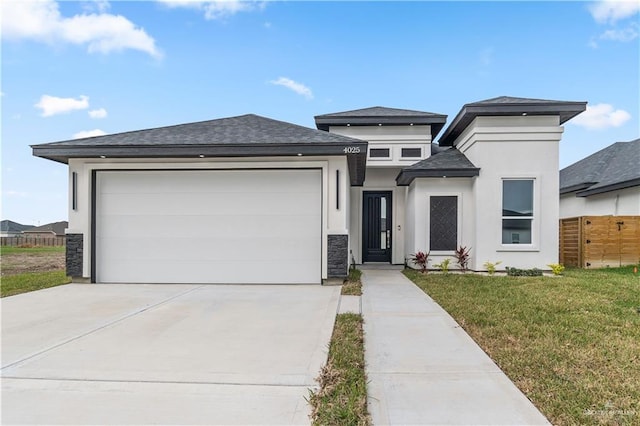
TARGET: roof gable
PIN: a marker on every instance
(379, 115)
(614, 167)
(446, 163)
(509, 106)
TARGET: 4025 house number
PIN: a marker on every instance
(351, 150)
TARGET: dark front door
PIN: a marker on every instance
(376, 227)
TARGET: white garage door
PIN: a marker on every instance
(213, 226)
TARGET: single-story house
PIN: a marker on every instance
(604, 183)
(50, 230)
(9, 228)
(250, 199)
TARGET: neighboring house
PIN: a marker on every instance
(9, 228)
(604, 183)
(50, 230)
(249, 199)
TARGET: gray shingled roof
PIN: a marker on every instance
(13, 227)
(446, 163)
(249, 129)
(381, 115)
(242, 136)
(57, 228)
(614, 167)
(509, 106)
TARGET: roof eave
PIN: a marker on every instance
(436, 122)
(608, 188)
(577, 187)
(565, 111)
(406, 176)
(355, 161)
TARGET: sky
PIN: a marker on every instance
(77, 69)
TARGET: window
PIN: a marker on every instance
(379, 153)
(411, 152)
(443, 223)
(517, 211)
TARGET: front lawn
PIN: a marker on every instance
(571, 343)
(31, 268)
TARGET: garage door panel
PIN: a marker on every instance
(211, 226)
(216, 272)
(249, 226)
(217, 181)
(186, 249)
(183, 203)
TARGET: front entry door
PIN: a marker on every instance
(376, 227)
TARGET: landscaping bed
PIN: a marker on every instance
(571, 344)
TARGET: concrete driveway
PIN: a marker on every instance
(141, 354)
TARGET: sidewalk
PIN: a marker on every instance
(422, 366)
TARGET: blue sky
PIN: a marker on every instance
(83, 68)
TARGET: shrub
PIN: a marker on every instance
(556, 268)
(444, 266)
(515, 272)
(421, 259)
(462, 257)
(491, 267)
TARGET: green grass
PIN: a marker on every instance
(22, 283)
(352, 285)
(342, 397)
(571, 343)
(14, 250)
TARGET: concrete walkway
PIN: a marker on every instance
(422, 366)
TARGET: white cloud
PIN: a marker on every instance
(100, 32)
(626, 34)
(52, 105)
(299, 88)
(95, 6)
(89, 133)
(601, 116)
(217, 9)
(611, 11)
(98, 113)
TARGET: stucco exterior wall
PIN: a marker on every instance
(334, 216)
(514, 147)
(393, 137)
(418, 212)
(624, 202)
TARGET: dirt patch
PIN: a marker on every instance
(18, 263)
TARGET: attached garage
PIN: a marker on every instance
(208, 226)
(237, 200)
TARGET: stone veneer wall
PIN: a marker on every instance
(338, 256)
(75, 252)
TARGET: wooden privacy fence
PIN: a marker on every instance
(600, 241)
(32, 241)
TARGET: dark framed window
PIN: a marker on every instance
(74, 191)
(517, 211)
(443, 223)
(379, 153)
(411, 152)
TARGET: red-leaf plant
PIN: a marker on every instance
(421, 259)
(462, 257)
